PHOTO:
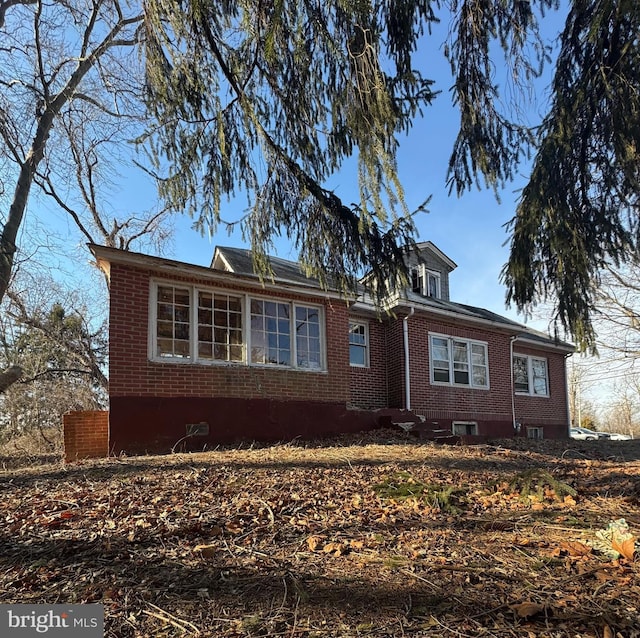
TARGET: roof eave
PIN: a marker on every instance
(106, 256)
(397, 303)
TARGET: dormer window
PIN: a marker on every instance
(417, 280)
(425, 282)
(433, 284)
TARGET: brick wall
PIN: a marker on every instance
(368, 386)
(86, 435)
(133, 374)
(152, 402)
(491, 408)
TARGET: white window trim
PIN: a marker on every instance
(193, 358)
(451, 382)
(465, 423)
(367, 361)
(530, 359)
(423, 276)
(438, 278)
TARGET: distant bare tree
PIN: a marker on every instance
(57, 341)
(70, 104)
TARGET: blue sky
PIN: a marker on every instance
(469, 229)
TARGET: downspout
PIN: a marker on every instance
(566, 391)
(407, 373)
(513, 390)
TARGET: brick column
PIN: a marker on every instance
(86, 435)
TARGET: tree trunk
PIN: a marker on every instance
(9, 377)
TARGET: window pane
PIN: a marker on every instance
(173, 318)
(433, 285)
(270, 333)
(520, 374)
(357, 355)
(205, 350)
(441, 375)
(440, 349)
(460, 352)
(478, 354)
(539, 367)
(307, 345)
(165, 312)
(480, 376)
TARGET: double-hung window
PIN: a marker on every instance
(530, 375)
(459, 361)
(358, 344)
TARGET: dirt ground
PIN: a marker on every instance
(372, 535)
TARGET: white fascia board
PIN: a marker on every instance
(534, 343)
(106, 256)
(434, 249)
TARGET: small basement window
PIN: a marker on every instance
(535, 432)
(464, 428)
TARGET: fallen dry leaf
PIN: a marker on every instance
(336, 549)
(527, 609)
(626, 547)
(313, 542)
(576, 548)
(206, 551)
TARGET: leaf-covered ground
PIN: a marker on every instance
(373, 536)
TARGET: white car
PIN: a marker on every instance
(586, 435)
(614, 436)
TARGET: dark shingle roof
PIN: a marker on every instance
(240, 261)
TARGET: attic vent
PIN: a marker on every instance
(198, 429)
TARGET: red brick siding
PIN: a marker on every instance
(86, 435)
(491, 408)
(152, 401)
(368, 386)
(550, 410)
(133, 374)
(395, 357)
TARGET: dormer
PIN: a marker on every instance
(429, 270)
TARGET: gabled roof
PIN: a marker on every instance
(240, 262)
(436, 251)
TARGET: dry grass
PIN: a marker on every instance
(378, 535)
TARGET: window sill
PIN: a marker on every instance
(462, 386)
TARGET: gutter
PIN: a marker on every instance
(396, 304)
(407, 372)
(566, 390)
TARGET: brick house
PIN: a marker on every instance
(205, 356)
